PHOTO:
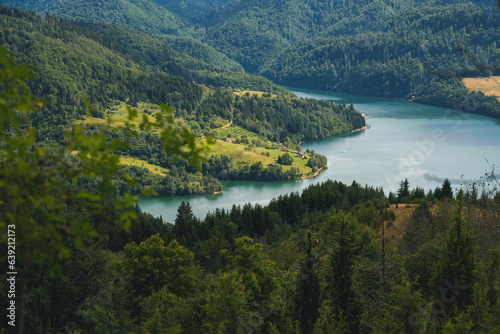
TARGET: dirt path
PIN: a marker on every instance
(227, 125)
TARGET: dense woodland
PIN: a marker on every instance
(421, 55)
(335, 258)
(405, 49)
(104, 66)
(323, 261)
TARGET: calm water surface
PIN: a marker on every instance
(425, 144)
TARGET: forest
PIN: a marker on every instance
(107, 67)
(418, 51)
(335, 258)
(85, 85)
(421, 55)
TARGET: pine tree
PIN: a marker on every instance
(453, 278)
(446, 190)
(308, 291)
(403, 191)
(339, 286)
(186, 225)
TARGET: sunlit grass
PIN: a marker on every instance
(489, 86)
(119, 114)
(130, 161)
(254, 155)
(259, 94)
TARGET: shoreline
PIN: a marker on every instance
(360, 129)
(311, 176)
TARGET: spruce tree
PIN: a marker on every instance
(453, 278)
(308, 291)
(446, 190)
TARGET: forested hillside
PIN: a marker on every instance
(419, 54)
(79, 257)
(142, 15)
(157, 53)
(410, 50)
(333, 259)
(112, 66)
(73, 63)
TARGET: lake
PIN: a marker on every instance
(425, 144)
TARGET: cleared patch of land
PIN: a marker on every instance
(259, 94)
(247, 154)
(489, 86)
(403, 213)
(130, 161)
(119, 114)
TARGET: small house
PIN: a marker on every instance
(300, 154)
(283, 149)
(228, 140)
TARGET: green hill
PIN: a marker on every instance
(129, 67)
(191, 10)
(142, 15)
(410, 50)
(420, 55)
(157, 53)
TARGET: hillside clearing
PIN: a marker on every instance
(130, 161)
(489, 86)
(119, 114)
(244, 154)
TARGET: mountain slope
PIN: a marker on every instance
(142, 15)
(157, 53)
(421, 54)
(253, 32)
(191, 10)
(401, 49)
(73, 62)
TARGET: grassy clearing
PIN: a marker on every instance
(129, 161)
(241, 153)
(489, 86)
(403, 213)
(234, 131)
(242, 156)
(119, 115)
(259, 94)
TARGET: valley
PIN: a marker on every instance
(238, 166)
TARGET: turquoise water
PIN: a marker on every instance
(425, 144)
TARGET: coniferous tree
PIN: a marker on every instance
(307, 294)
(185, 224)
(446, 190)
(453, 277)
(405, 311)
(419, 229)
(403, 191)
(339, 285)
